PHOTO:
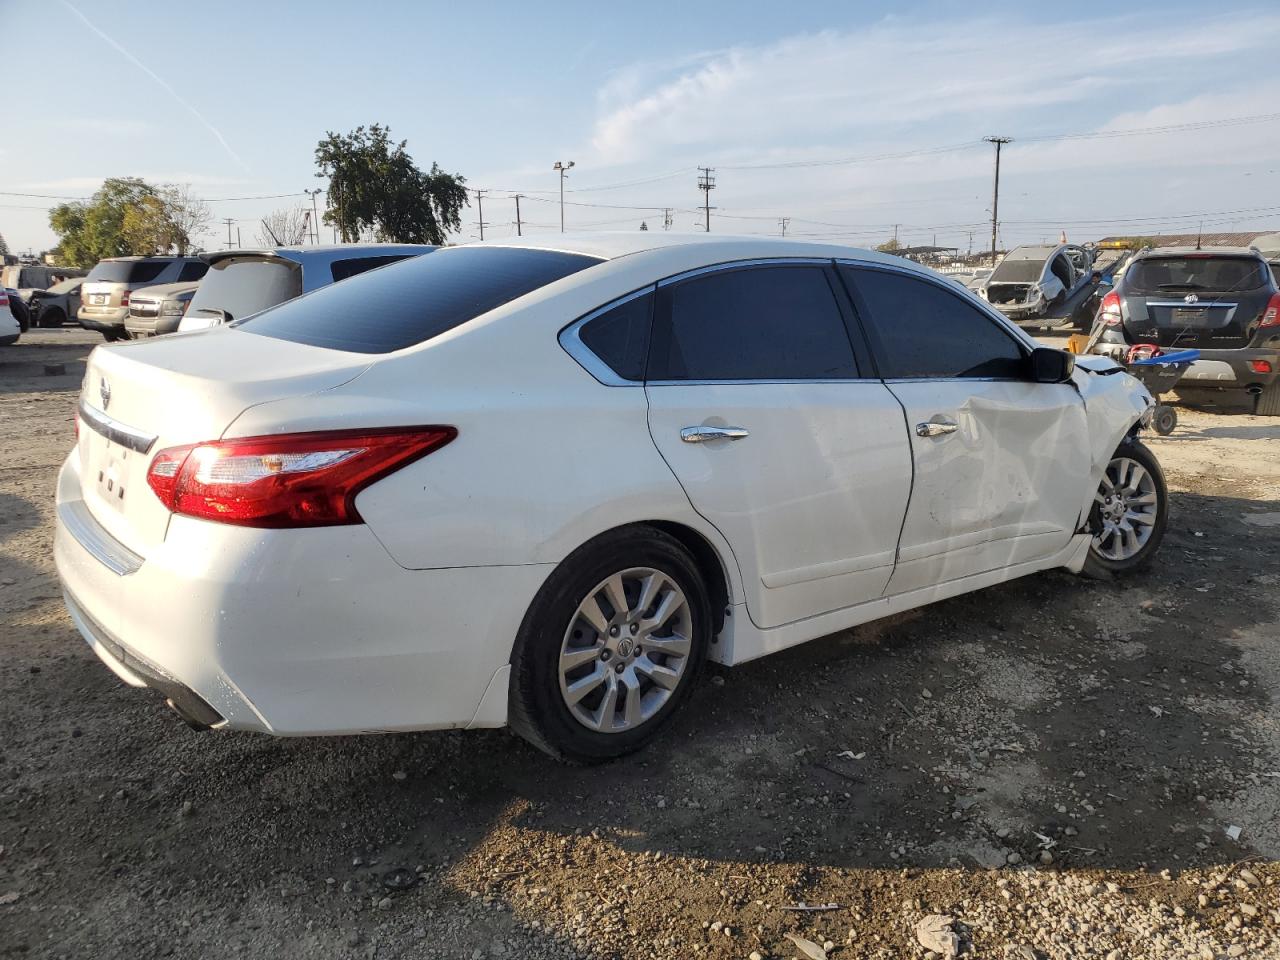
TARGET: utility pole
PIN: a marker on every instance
(563, 168)
(995, 194)
(895, 235)
(480, 210)
(229, 221)
(315, 215)
(666, 218)
(706, 183)
(516, 198)
(783, 222)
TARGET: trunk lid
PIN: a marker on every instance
(1208, 323)
(142, 397)
(102, 293)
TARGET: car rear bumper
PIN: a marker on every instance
(292, 632)
(1233, 368)
(102, 319)
(1022, 311)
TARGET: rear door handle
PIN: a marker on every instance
(704, 433)
(936, 427)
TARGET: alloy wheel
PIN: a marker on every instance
(1128, 503)
(625, 651)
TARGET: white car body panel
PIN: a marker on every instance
(812, 500)
(997, 491)
(10, 329)
(407, 621)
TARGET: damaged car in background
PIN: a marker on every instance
(1030, 282)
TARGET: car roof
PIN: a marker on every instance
(705, 247)
(1184, 251)
(1036, 252)
(158, 256)
(324, 253)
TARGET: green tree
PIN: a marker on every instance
(374, 184)
(4, 246)
(125, 216)
(890, 246)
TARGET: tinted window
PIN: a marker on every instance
(924, 330)
(193, 270)
(1017, 271)
(758, 323)
(243, 286)
(620, 336)
(341, 269)
(1182, 274)
(128, 271)
(417, 299)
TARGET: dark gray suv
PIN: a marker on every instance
(1223, 301)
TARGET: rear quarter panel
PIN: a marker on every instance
(546, 457)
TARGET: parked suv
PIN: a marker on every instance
(1223, 301)
(244, 282)
(159, 309)
(104, 297)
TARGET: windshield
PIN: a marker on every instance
(1153, 275)
(1018, 271)
(127, 271)
(414, 300)
(66, 286)
(243, 286)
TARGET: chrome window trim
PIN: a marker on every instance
(766, 382)
(114, 430)
(737, 264)
(106, 549)
(571, 340)
(1198, 305)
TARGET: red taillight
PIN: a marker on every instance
(1260, 366)
(4, 299)
(1271, 315)
(1110, 309)
(290, 480)
(124, 299)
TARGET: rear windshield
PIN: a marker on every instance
(1152, 275)
(242, 286)
(128, 271)
(412, 301)
(1018, 271)
(66, 286)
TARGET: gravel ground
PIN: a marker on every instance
(1059, 766)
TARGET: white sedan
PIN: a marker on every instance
(540, 483)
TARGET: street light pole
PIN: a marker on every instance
(563, 168)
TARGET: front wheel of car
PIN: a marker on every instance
(611, 647)
(1131, 509)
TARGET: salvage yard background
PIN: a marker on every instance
(1064, 767)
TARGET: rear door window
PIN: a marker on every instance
(619, 336)
(239, 287)
(192, 270)
(342, 269)
(920, 329)
(755, 323)
(412, 301)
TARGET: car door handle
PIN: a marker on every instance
(704, 433)
(936, 428)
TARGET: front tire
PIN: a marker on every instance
(611, 647)
(52, 318)
(1131, 510)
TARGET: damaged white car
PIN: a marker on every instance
(1030, 282)
(541, 483)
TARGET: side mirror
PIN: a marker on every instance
(1048, 365)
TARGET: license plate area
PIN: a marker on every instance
(110, 470)
(1191, 316)
(98, 299)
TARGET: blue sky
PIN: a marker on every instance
(232, 97)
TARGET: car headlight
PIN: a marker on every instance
(173, 308)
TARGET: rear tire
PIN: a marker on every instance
(1267, 403)
(1131, 510)
(1165, 420)
(585, 694)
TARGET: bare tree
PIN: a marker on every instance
(187, 213)
(285, 227)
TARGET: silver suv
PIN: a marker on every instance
(104, 297)
(241, 283)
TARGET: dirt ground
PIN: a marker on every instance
(1065, 768)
